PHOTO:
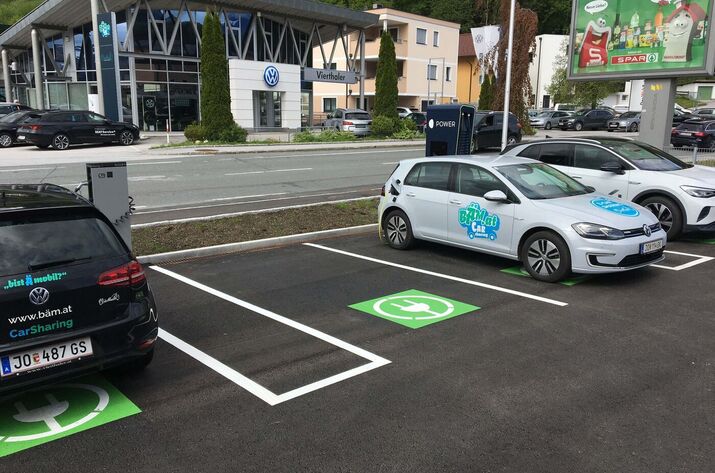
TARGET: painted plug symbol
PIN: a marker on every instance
(46, 414)
(415, 307)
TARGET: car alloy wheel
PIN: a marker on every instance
(511, 140)
(61, 142)
(5, 140)
(126, 138)
(578, 126)
(664, 214)
(544, 258)
(547, 126)
(633, 128)
(398, 230)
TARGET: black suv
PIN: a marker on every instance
(63, 128)
(487, 130)
(73, 298)
(696, 132)
(587, 120)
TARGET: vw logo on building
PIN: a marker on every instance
(39, 295)
(271, 76)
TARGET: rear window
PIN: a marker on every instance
(357, 116)
(691, 126)
(39, 241)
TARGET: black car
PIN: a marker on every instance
(10, 123)
(587, 120)
(63, 128)
(73, 298)
(679, 117)
(695, 132)
(7, 108)
(487, 132)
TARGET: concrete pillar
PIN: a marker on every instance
(37, 66)
(97, 55)
(6, 76)
(657, 117)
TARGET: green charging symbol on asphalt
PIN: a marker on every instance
(50, 413)
(414, 309)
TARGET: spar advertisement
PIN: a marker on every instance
(640, 38)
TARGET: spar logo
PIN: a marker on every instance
(648, 58)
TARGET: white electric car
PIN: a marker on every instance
(519, 209)
(681, 195)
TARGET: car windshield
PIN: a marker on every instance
(544, 115)
(629, 115)
(539, 181)
(357, 116)
(644, 156)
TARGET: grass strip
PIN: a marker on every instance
(184, 236)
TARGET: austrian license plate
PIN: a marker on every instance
(651, 246)
(685, 133)
(45, 356)
(20, 137)
(359, 126)
(613, 125)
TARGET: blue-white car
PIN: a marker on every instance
(519, 209)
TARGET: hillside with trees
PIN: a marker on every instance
(13, 10)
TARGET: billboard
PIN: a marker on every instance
(637, 39)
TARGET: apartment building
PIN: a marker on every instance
(426, 50)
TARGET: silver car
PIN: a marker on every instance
(548, 119)
(354, 120)
(629, 121)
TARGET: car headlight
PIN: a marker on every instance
(701, 192)
(597, 232)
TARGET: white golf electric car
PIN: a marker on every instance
(519, 209)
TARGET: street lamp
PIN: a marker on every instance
(507, 79)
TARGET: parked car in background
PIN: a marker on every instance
(704, 112)
(586, 120)
(681, 195)
(402, 112)
(420, 120)
(487, 132)
(629, 121)
(353, 120)
(679, 116)
(548, 119)
(63, 128)
(74, 298)
(9, 107)
(11, 122)
(565, 107)
(695, 133)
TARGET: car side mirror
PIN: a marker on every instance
(590, 189)
(613, 166)
(497, 196)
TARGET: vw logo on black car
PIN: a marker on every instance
(39, 295)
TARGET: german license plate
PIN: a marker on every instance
(45, 356)
(651, 246)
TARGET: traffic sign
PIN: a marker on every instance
(414, 309)
(53, 412)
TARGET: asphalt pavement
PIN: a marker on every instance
(264, 366)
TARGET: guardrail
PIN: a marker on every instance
(693, 155)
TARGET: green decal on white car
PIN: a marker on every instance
(53, 412)
(414, 309)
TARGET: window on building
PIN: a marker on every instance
(435, 38)
(333, 66)
(395, 33)
(329, 104)
(421, 36)
(448, 74)
(432, 71)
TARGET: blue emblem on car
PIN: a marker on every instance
(615, 207)
(271, 76)
(479, 222)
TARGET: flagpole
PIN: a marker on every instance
(507, 79)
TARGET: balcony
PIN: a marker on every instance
(372, 48)
(401, 85)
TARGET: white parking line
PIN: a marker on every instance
(30, 169)
(251, 386)
(440, 275)
(155, 162)
(267, 172)
(699, 260)
(147, 178)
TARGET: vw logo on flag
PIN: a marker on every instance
(271, 76)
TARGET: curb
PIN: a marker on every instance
(192, 150)
(255, 244)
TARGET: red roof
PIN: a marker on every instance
(466, 45)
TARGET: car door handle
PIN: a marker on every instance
(455, 202)
(410, 194)
(577, 177)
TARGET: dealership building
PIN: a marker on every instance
(148, 53)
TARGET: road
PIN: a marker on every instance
(174, 187)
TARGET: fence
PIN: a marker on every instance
(694, 155)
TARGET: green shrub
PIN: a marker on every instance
(233, 134)
(324, 136)
(194, 132)
(216, 115)
(407, 130)
(386, 89)
(384, 126)
(407, 124)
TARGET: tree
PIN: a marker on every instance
(216, 114)
(13, 10)
(486, 93)
(386, 79)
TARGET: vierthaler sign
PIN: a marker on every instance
(329, 75)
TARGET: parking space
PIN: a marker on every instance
(346, 355)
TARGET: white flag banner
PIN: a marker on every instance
(485, 39)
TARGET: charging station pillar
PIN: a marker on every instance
(657, 118)
(109, 192)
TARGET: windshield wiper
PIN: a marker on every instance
(49, 264)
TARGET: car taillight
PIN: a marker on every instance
(673, 131)
(348, 123)
(35, 127)
(518, 125)
(131, 274)
(699, 134)
(382, 191)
